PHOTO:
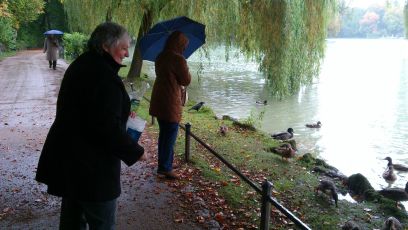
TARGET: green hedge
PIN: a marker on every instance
(74, 45)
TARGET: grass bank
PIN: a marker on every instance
(294, 180)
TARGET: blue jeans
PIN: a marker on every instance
(167, 139)
(77, 214)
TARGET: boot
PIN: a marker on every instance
(50, 62)
(169, 175)
(54, 64)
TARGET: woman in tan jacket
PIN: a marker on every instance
(166, 102)
(51, 48)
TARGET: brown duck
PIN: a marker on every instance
(395, 194)
(328, 187)
(285, 151)
(389, 174)
(392, 224)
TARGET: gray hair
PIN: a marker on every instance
(108, 34)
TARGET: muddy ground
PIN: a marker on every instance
(28, 93)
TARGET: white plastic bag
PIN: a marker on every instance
(135, 127)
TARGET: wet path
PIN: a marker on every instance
(28, 90)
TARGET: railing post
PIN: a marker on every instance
(187, 146)
(266, 205)
(152, 120)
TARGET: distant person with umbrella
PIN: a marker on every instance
(171, 74)
(51, 48)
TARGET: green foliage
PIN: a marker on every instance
(7, 35)
(74, 45)
(15, 15)
(54, 16)
(286, 37)
(24, 11)
(30, 35)
(254, 120)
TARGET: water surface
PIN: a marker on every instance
(360, 97)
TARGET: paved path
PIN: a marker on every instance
(28, 92)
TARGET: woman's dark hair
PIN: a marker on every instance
(107, 33)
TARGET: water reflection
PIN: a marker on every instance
(361, 98)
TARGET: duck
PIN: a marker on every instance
(223, 130)
(350, 225)
(395, 194)
(285, 151)
(283, 135)
(265, 102)
(392, 224)
(398, 167)
(328, 187)
(314, 125)
(389, 174)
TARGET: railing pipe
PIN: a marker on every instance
(289, 214)
(229, 165)
(266, 205)
(187, 144)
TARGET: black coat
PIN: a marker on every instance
(81, 155)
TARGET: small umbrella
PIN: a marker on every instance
(154, 41)
(53, 32)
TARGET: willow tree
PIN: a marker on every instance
(287, 37)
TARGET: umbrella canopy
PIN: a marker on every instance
(152, 44)
(54, 32)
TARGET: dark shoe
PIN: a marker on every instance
(169, 175)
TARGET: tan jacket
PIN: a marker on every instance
(171, 73)
(51, 47)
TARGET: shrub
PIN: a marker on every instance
(74, 45)
(7, 35)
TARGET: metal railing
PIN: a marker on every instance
(265, 191)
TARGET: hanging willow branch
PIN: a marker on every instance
(287, 37)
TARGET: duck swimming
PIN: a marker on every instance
(265, 102)
(397, 167)
(314, 125)
(395, 194)
(389, 174)
(283, 135)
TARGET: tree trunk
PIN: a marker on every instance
(136, 66)
(46, 16)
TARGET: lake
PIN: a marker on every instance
(360, 97)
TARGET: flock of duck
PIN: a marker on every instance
(396, 194)
(286, 151)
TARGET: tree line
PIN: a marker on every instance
(286, 37)
(376, 21)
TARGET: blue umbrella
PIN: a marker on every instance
(54, 32)
(154, 41)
